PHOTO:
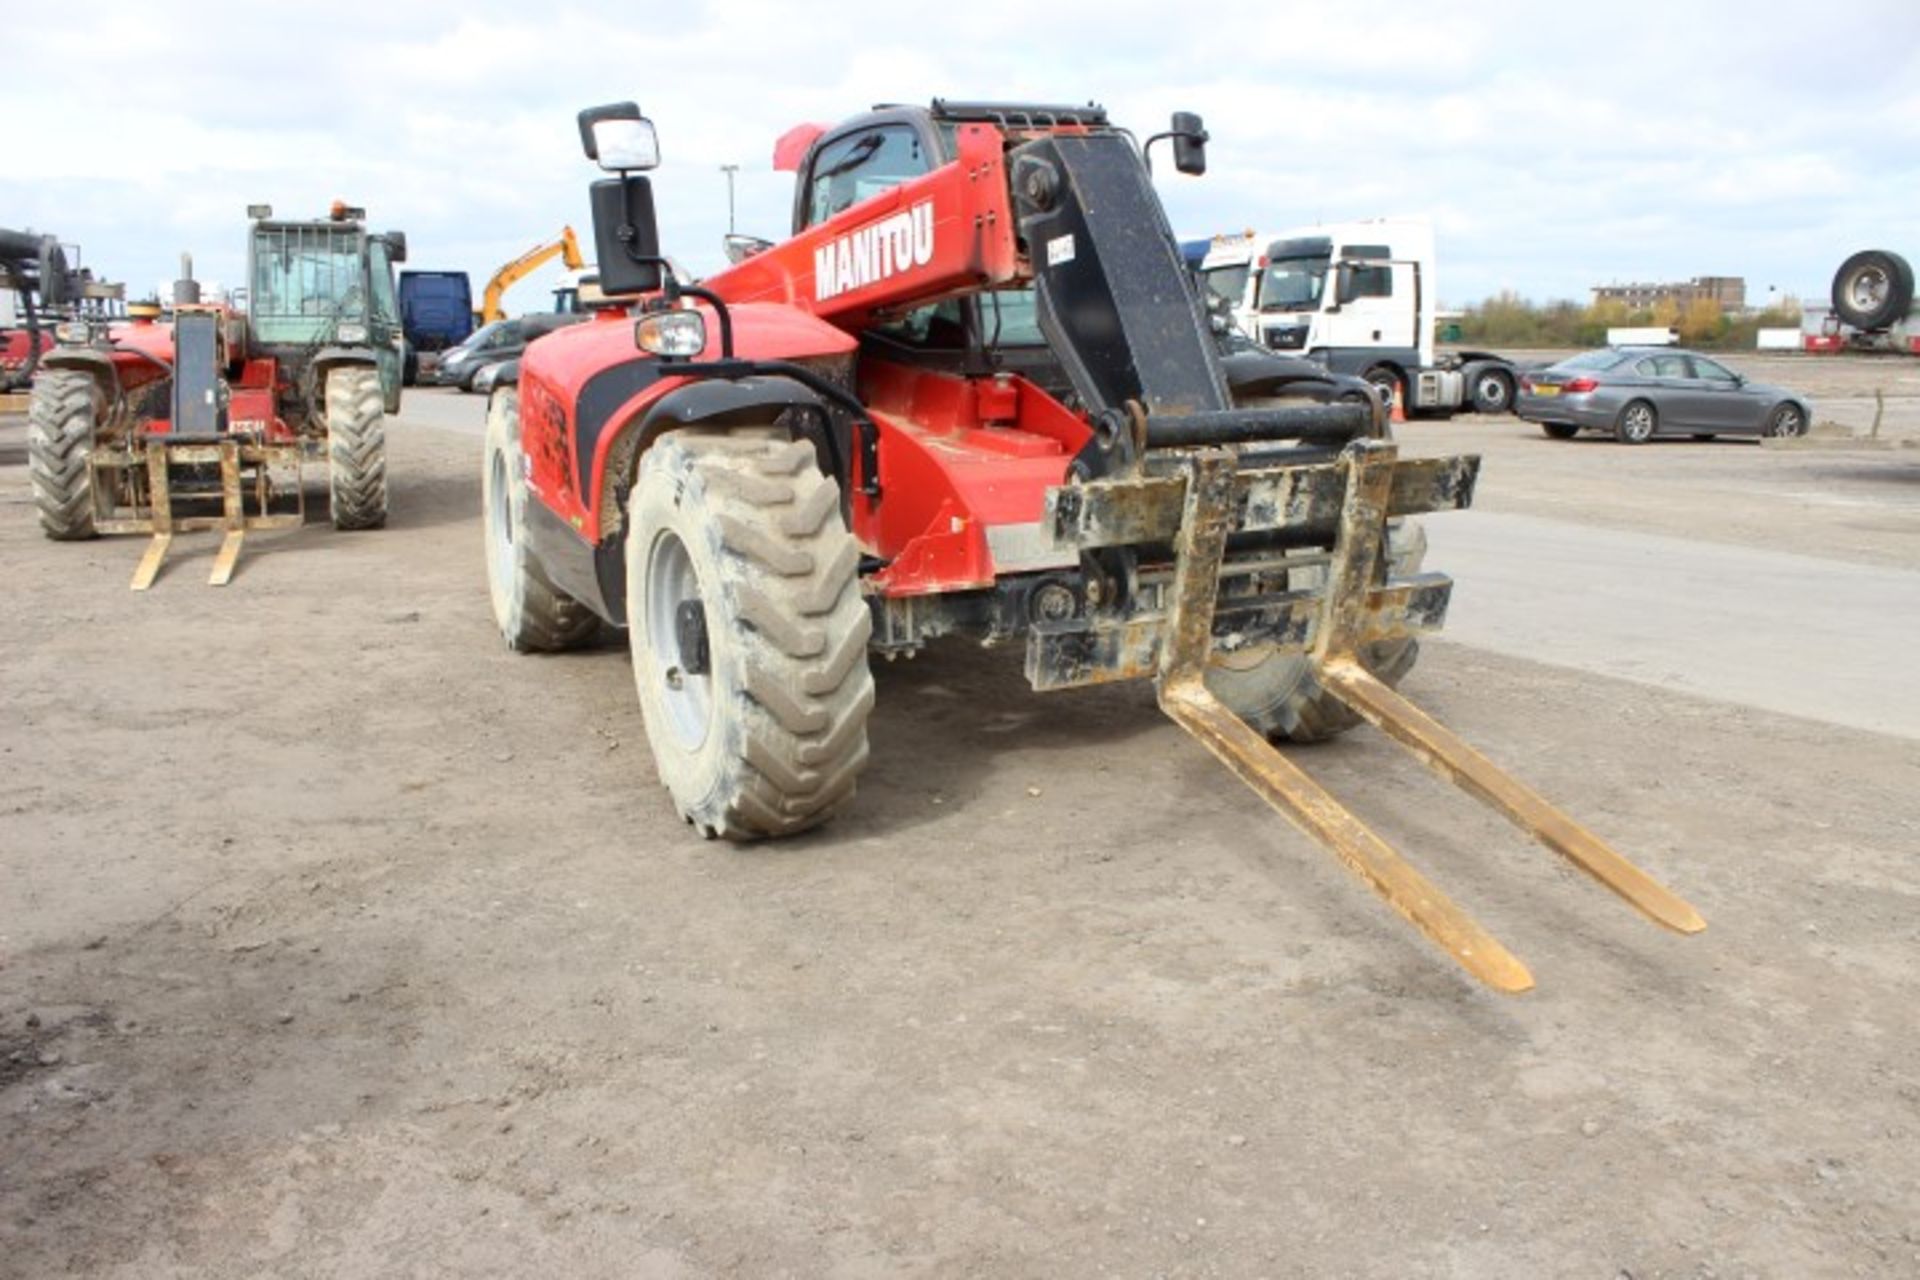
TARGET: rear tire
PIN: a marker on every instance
(356, 448)
(1873, 289)
(1492, 391)
(1637, 422)
(534, 615)
(1279, 695)
(769, 734)
(1560, 430)
(62, 417)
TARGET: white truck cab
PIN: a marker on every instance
(1358, 297)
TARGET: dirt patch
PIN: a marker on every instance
(394, 959)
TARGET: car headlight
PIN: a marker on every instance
(350, 332)
(681, 334)
(73, 333)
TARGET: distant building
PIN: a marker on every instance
(1729, 291)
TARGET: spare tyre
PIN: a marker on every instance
(1873, 289)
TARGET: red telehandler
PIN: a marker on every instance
(975, 394)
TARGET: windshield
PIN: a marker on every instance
(1293, 284)
(1010, 319)
(1228, 282)
(312, 272)
(1007, 319)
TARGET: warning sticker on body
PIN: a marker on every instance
(1059, 250)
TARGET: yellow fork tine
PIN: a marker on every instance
(1312, 809)
(1443, 751)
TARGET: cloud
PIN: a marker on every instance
(1556, 148)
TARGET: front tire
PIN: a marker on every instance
(1637, 423)
(1390, 387)
(356, 448)
(1786, 422)
(1278, 693)
(749, 632)
(62, 418)
(533, 615)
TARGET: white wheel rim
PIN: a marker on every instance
(500, 520)
(1493, 390)
(687, 699)
(1639, 422)
(1869, 288)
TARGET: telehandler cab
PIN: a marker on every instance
(974, 394)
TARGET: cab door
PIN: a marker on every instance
(1377, 310)
(1724, 403)
(859, 165)
(383, 322)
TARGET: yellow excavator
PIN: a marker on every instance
(565, 247)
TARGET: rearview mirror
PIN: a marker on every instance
(739, 248)
(396, 245)
(1345, 288)
(619, 138)
(626, 236)
(1189, 143)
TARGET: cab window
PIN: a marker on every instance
(861, 166)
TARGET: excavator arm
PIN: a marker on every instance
(566, 247)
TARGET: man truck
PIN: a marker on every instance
(1360, 298)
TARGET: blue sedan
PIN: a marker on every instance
(1637, 393)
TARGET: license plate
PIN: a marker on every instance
(1540, 390)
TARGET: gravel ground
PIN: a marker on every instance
(337, 941)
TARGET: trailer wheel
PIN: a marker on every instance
(1278, 694)
(748, 630)
(356, 448)
(1873, 289)
(1492, 391)
(533, 614)
(62, 415)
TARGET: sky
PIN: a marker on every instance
(1555, 145)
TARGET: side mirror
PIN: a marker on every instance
(739, 248)
(396, 245)
(619, 138)
(626, 235)
(55, 282)
(1345, 288)
(1189, 143)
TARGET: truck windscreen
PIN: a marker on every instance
(1293, 284)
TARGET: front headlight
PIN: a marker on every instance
(350, 332)
(679, 334)
(72, 333)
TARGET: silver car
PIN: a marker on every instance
(1637, 393)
